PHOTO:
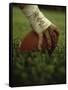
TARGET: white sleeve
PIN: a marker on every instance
(38, 21)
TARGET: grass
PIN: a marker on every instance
(36, 68)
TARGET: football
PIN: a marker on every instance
(30, 42)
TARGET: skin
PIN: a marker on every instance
(40, 41)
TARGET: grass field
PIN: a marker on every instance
(37, 67)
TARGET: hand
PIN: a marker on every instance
(50, 38)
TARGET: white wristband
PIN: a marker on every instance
(38, 21)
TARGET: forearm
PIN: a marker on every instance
(37, 20)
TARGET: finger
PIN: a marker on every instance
(48, 40)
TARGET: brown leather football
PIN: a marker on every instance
(30, 42)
